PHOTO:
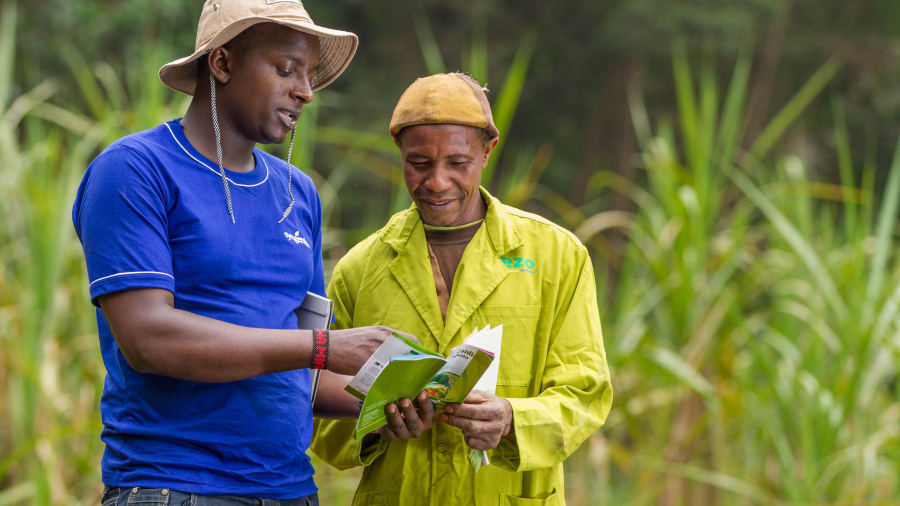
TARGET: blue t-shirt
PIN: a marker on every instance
(151, 213)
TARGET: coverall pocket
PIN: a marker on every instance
(377, 498)
(517, 354)
(510, 500)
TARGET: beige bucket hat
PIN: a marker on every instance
(222, 20)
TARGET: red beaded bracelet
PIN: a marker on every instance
(320, 349)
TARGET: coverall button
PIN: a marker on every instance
(442, 447)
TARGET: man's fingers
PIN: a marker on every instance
(426, 408)
(351, 348)
(477, 443)
(410, 416)
(405, 420)
(476, 396)
(395, 423)
(467, 425)
(386, 433)
(485, 412)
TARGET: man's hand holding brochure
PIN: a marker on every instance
(489, 340)
(401, 369)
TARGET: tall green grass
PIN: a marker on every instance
(751, 334)
(48, 363)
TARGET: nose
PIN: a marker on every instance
(439, 179)
(302, 90)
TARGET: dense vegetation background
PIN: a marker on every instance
(730, 165)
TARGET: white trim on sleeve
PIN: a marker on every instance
(130, 273)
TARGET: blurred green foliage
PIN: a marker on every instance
(586, 53)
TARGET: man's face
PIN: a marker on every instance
(269, 83)
(442, 167)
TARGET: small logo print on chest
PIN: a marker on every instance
(519, 264)
(296, 239)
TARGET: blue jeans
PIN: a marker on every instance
(117, 496)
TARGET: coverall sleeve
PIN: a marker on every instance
(333, 440)
(575, 393)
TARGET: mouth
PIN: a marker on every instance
(289, 117)
(440, 210)
(437, 203)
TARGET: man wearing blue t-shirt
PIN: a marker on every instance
(199, 247)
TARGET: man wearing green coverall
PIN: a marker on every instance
(456, 260)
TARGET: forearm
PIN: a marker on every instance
(510, 434)
(334, 443)
(178, 344)
(553, 425)
(156, 338)
(332, 401)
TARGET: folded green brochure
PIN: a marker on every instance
(401, 369)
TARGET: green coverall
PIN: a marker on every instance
(521, 271)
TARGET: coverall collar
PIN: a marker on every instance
(406, 235)
(501, 233)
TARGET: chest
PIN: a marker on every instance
(486, 292)
(253, 267)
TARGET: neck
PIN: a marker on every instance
(475, 214)
(237, 152)
(451, 228)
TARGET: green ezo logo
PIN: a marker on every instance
(518, 263)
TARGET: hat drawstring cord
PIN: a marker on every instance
(215, 118)
(290, 148)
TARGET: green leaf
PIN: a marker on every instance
(431, 53)
(504, 108)
(887, 220)
(797, 241)
(797, 104)
(678, 367)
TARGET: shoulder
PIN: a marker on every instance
(132, 167)
(536, 228)
(146, 141)
(375, 249)
(130, 146)
(354, 265)
(137, 152)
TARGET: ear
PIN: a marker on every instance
(488, 149)
(220, 62)
(397, 142)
